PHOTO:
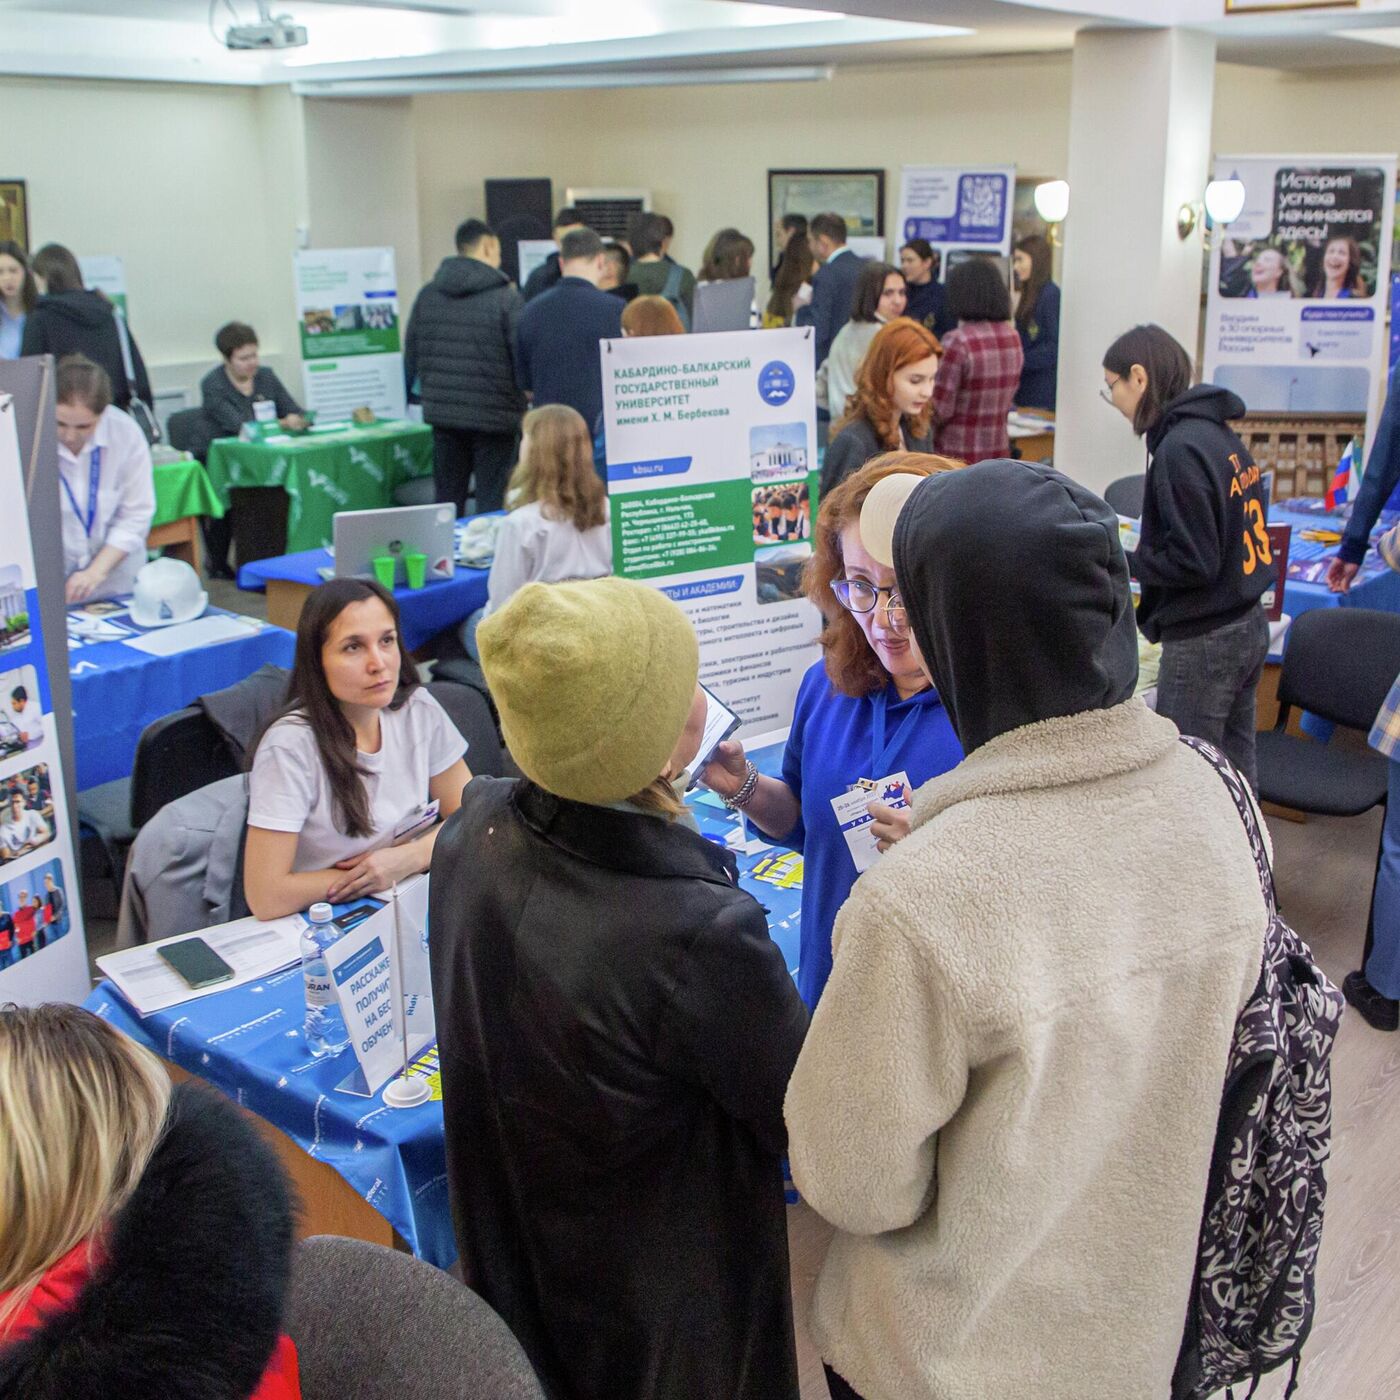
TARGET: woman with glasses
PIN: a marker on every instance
(1204, 557)
(865, 714)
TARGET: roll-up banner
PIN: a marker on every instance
(348, 315)
(712, 477)
(963, 211)
(1295, 316)
(43, 955)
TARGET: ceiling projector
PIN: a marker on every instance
(270, 32)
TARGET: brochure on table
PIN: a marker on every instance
(712, 474)
(378, 966)
(43, 954)
(253, 948)
(961, 210)
(348, 324)
(1276, 333)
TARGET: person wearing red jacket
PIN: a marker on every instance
(24, 927)
(145, 1234)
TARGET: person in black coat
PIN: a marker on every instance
(616, 1028)
(70, 320)
(834, 286)
(1204, 558)
(549, 271)
(460, 348)
(557, 359)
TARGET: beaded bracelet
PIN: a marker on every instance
(744, 796)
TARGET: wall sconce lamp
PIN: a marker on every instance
(1223, 204)
(1052, 204)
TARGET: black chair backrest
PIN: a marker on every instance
(175, 755)
(467, 708)
(188, 430)
(1125, 494)
(1340, 663)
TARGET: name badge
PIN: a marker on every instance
(264, 410)
(419, 820)
(855, 821)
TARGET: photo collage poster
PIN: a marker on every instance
(43, 954)
(712, 479)
(348, 325)
(1298, 290)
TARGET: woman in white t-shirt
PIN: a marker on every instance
(106, 485)
(558, 527)
(351, 782)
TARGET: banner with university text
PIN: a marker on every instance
(43, 955)
(1295, 315)
(964, 211)
(712, 475)
(348, 327)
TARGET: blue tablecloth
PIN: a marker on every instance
(424, 612)
(1376, 586)
(118, 691)
(247, 1042)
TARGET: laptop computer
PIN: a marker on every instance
(361, 535)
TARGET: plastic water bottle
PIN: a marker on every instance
(325, 1026)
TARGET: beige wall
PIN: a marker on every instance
(1353, 111)
(704, 151)
(171, 178)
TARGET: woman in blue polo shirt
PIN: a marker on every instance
(865, 712)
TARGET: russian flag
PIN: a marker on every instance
(1341, 480)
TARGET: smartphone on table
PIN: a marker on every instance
(720, 723)
(196, 962)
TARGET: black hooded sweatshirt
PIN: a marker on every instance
(1018, 595)
(1204, 557)
(83, 323)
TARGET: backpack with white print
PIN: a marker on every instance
(1252, 1299)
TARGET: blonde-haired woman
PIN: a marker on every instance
(145, 1235)
(558, 526)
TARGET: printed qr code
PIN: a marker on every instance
(981, 199)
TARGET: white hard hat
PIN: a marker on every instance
(166, 591)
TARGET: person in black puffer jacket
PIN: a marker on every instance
(1204, 558)
(460, 348)
(70, 320)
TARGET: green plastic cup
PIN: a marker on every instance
(384, 569)
(416, 567)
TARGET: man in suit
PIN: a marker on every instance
(556, 352)
(833, 288)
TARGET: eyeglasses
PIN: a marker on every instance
(858, 595)
(1106, 393)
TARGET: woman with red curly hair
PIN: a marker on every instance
(890, 409)
(864, 714)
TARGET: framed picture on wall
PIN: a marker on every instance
(14, 213)
(857, 195)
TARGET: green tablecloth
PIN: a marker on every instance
(347, 469)
(183, 488)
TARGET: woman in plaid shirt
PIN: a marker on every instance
(981, 366)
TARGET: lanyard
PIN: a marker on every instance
(882, 753)
(94, 484)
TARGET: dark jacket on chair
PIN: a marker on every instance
(460, 346)
(616, 1031)
(83, 323)
(185, 1301)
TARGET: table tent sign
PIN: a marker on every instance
(348, 326)
(712, 477)
(1289, 341)
(961, 210)
(43, 954)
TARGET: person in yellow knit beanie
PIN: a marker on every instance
(615, 1026)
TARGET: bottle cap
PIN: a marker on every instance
(320, 913)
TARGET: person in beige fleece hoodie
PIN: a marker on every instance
(1006, 1103)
